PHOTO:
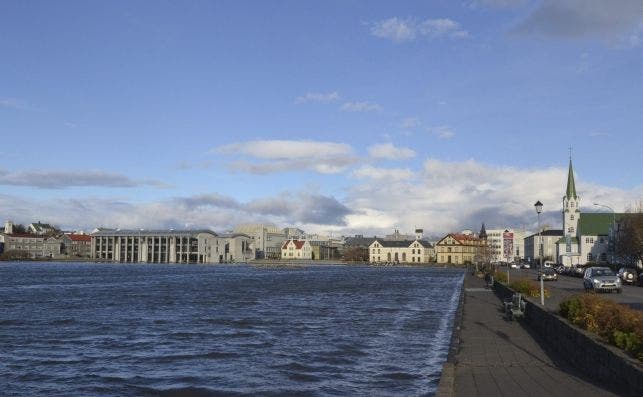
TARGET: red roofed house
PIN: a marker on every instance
(458, 248)
(296, 249)
(77, 245)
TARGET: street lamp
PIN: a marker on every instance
(539, 209)
(613, 236)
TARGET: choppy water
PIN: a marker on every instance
(88, 329)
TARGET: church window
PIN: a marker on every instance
(590, 257)
(571, 204)
(570, 230)
(571, 217)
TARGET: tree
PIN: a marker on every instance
(629, 237)
(356, 254)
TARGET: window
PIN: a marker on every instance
(590, 257)
(571, 217)
(570, 230)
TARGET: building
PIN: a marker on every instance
(238, 248)
(296, 249)
(549, 239)
(416, 251)
(267, 239)
(586, 235)
(458, 248)
(23, 245)
(294, 233)
(505, 245)
(158, 246)
(77, 245)
(41, 229)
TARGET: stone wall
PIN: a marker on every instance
(600, 362)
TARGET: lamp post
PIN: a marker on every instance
(613, 236)
(539, 209)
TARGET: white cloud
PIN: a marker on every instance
(410, 123)
(360, 107)
(385, 174)
(318, 97)
(289, 155)
(13, 103)
(450, 196)
(442, 131)
(400, 30)
(389, 151)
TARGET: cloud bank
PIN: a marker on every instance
(399, 30)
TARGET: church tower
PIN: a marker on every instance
(571, 209)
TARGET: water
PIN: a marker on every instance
(88, 329)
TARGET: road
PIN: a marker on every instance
(567, 286)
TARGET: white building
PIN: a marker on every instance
(405, 251)
(506, 245)
(169, 246)
(296, 249)
(549, 240)
(267, 239)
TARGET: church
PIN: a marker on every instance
(586, 236)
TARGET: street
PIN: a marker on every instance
(566, 286)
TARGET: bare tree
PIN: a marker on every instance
(629, 238)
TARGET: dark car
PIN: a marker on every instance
(627, 275)
(548, 274)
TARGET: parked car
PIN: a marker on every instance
(627, 275)
(548, 274)
(525, 265)
(601, 279)
(514, 265)
(549, 263)
(578, 271)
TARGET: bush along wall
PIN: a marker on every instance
(614, 323)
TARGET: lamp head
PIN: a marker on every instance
(539, 206)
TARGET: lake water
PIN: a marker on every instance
(212, 330)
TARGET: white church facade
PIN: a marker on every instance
(585, 235)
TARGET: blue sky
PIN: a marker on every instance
(342, 116)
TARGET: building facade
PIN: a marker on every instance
(458, 248)
(549, 240)
(296, 249)
(267, 239)
(401, 251)
(158, 246)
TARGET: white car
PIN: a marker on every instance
(514, 265)
(601, 279)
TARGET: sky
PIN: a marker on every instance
(336, 117)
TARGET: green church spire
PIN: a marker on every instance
(571, 186)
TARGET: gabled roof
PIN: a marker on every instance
(41, 226)
(597, 223)
(359, 241)
(298, 244)
(563, 240)
(80, 237)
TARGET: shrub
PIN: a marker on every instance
(500, 277)
(614, 323)
(527, 287)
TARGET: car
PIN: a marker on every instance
(525, 266)
(549, 264)
(627, 275)
(578, 271)
(514, 265)
(600, 279)
(548, 274)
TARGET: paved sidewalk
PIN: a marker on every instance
(501, 358)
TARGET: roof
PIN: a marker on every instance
(401, 243)
(549, 233)
(80, 237)
(359, 241)
(563, 240)
(464, 237)
(137, 232)
(41, 226)
(597, 223)
(571, 186)
(298, 244)
(27, 235)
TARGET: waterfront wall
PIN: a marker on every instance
(600, 362)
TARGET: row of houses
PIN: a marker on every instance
(44, 241)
